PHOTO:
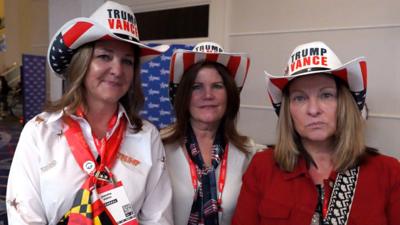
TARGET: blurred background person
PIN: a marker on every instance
(4, 90)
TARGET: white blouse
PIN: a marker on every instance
(44, 175)
(183, 192)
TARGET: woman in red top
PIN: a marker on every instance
(320, 171)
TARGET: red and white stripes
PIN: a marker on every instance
(237, 64)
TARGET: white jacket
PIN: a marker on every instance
(44, 175)
(183, 192)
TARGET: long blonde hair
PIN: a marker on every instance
(74, 95)
(349, 143)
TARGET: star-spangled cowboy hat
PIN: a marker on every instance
(318, 58)
(111, 21)
(181, 60)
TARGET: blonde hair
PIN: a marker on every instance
(349, 143)
(74, 95)
(75, 73)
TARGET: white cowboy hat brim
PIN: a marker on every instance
(82, 30)
(353, 73)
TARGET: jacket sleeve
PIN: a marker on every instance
(157, 208)
(23, 198)
(393, 209)
(250, 194)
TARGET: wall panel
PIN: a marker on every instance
(269, 31)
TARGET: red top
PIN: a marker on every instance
(270, 196)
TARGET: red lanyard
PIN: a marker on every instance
(327, 195)
(81, 151)
(222, 175)
(101, 142)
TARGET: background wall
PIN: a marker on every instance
(26, 29)
(268, 31)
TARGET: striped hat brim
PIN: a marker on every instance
(237, 64)
(353, 73)
(80, 31)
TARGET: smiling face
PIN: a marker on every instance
(208, 100)
(110, 72)
(313, 107)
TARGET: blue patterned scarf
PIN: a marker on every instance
(205, 206)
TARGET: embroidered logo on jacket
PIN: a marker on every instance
(39, 119)
(128, 159)
(50, 165)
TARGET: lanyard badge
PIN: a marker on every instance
(115, 199)
(111, 194)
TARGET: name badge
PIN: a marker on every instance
(117, 204)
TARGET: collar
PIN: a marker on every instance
(301, 170)
(54, 117)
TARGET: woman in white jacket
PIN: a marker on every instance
(89, 158)
(206, 156)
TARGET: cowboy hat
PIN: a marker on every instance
(318, 58)
(181, 60)
(111, 21)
